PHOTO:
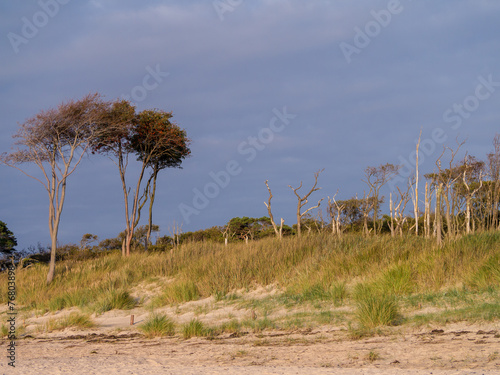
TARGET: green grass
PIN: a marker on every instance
(158, 325)
(114, 299)
(375, 308)
(318, 272)
(195, 328)
(177, 292)
(73, 320)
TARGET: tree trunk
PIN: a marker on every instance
(438, 215)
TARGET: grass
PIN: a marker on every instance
(375, 308)
(177, 292)
(114, 299)
(73, 320)
(381, 277)
(158, 325)
(195, 328)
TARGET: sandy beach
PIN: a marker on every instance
(454, 349)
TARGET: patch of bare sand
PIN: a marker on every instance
(454, 349)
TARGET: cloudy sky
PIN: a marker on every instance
(266, 89)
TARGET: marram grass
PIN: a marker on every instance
(315, 267)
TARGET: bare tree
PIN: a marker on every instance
(438, 224)
(375, 178)
(415, 192)
(335, 210)
(427, 212)
(302, 201)
(56, 141)
(397, 209)
(175, 231)
(279, 232)
(446, 180)
(494, 174)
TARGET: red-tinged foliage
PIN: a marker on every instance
(158, 141)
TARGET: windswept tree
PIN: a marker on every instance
(56, 141)
(155, 141)
(161, 144)
(114, 141)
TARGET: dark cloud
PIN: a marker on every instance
(226, 78)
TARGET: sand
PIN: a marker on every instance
(453, 349)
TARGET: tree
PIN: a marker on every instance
(302, 201)
(7, 240)
(376, 177)
(279, 233)
(155, 141)
(494, 174)
(335, 209)
(56, 141)
(162, 144)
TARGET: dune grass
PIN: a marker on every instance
(316, 270)
(73, 320)
(158, 325)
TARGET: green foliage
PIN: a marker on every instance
(194, 328)
(375, 308)
(115, 299)
(487, 274)
(158, 325)
(7, 239)
(177, 292)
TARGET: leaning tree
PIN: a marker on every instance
(56, 141)
(155, 141)
(159, 143)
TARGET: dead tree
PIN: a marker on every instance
(176, 231)
(376, 177)
(447, 178)
(437, 220)
(494, 174)
(397, 210)
(302, 201)
(427, 212)
(471, 167)
(335, 210)
(279, 232)
(415, 192)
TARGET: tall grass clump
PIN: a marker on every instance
(73, 320)
(374, 308)
(115, 299)
(177, 292)
(486, 274)
(397, 280)
(158, 325)
(194, 328)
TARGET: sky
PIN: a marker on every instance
(265, 89)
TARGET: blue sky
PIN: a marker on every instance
(277, 89)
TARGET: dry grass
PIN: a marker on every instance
(314, 271)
